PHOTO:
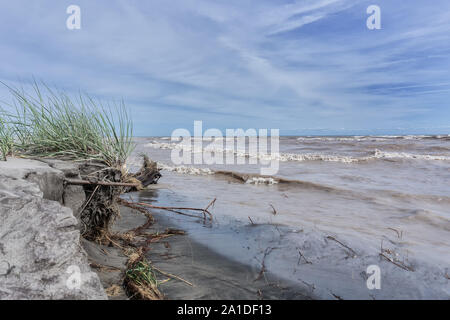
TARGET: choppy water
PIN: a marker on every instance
(363, 189)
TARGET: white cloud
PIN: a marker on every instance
(238, 58)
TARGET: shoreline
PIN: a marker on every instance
(232, 260)
(187, 269)
(212, 275)
(325, 265)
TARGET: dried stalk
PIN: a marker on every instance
(100, 183)
(345, 246)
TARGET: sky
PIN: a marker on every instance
(304, 67)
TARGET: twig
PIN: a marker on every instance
(311, 286)
(172, 276)
(345, 246)
(175, 231)
(263, 262)
(302, 256)
(175, 209)
(251, 220)
(139, 230)
(90, 198)
(399, 234)
(114, 243)
(206, 209)
(103, 267)
(274, 212)
(336, 296)
(404, 267)
(260, 294)
(211, 203)
(133, 206)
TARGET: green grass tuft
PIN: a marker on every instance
(142, 274)
(49, 123)
(6, 139)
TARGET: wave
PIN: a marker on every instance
(375, 138)
(403, 155)
(284, 157)
(352, 139)
(249, 178)
(436, 199)
(428, 217)
(271, 180)
(256, 179)
(185, 169)
(261, 156)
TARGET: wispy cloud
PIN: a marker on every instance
(283, 64)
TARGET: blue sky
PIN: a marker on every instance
(305, 67)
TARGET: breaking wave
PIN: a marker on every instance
(403, 155)
(185, 169)
(284, 157)
(374, 138)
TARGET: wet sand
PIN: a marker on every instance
(212, 275)
(317, 263)
(224, 259)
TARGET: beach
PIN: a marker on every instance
(279, 237)
(197, 272)
(225, 150)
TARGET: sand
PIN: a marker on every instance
(213, 276)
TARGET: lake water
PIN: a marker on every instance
(370, 192)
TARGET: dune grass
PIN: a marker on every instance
(6, 139)
(49, 123)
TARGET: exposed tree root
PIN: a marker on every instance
(103, 186)
(100, 209)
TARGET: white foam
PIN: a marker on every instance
(283, 157)
(185, 169)
(261, 180)
(403, 155)
(355, 138)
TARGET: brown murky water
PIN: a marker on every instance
(374, 194)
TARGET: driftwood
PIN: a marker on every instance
(147, 175)
(100, 183)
